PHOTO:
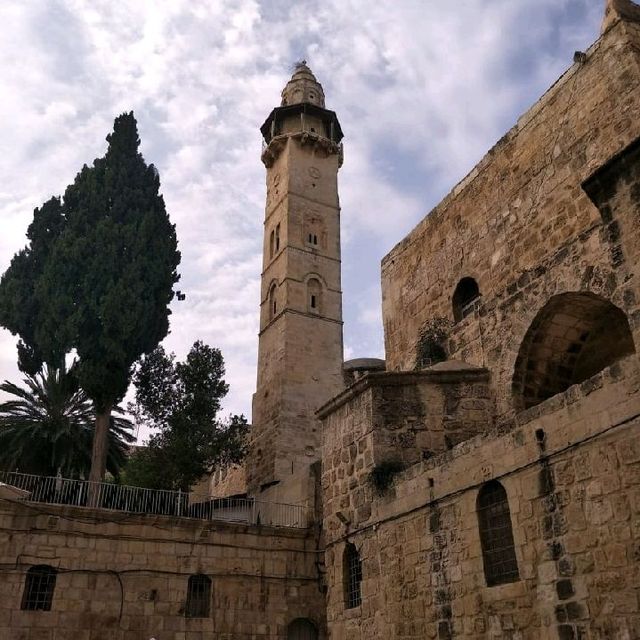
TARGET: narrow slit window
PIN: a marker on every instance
(314, 295)
(39, 586)
(273, 303)
(496, 535)
(352, 577)
(198, 596)
(272, 243)
(277, 237)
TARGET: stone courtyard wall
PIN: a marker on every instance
(571, 471)
(124, 577)
(524, 227)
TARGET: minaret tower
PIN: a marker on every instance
(300, 346)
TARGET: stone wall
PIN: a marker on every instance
(399, 418)
(522, 225)
(124, 577)
(571, 471)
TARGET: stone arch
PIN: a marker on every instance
(314, 231)
(465, 298)
(573, 337)
(314, 295)
(302, 629)
(273, 300)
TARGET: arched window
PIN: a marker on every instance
(352, 577)
(277, 238)
(198, 596)
(302, 629)
(272, 243)
(314, 295)
(465, 298)
(572, 338)
(273, 303)
(496, 535)
(38, 588)
(314, 231)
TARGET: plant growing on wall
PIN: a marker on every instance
(431, 347)
(382, 475)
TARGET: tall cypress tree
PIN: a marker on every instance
(110, 277)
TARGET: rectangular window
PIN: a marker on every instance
(38, 588)
(353, 577)
(198, 596)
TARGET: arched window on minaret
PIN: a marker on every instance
(272, 243)
(314, 295)
(277, 238)
(273, 303)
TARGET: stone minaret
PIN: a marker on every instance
(300, 346)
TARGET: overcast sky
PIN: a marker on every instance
(422, 89)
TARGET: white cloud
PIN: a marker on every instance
(421, 89)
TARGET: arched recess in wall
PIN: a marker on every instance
(273, 301)
(302, 629)
(314, 295)
(465, 298)
(573, 337)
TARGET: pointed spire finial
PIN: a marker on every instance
(303, 87)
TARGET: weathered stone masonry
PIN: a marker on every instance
(531, 267)
(124, 577)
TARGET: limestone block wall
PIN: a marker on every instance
(571, 472)
(522, 225)
(395, 417)
(230, 480)
(124, 577)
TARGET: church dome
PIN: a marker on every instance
(303, 87)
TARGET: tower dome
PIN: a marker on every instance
(303, 87)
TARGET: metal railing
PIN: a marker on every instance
(117, 497)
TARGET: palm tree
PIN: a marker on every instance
(48, 428)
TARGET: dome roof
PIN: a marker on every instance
(303, 87)
(364, 364)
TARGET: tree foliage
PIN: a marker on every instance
(22, 310)
(97, 277)
(111, 274)
(181, 400)
(46, 427)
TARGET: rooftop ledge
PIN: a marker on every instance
(450, 371)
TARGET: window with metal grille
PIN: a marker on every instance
(38, 588)
(465, 298)
(198, 596)
(496, 535)
(352, 576)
